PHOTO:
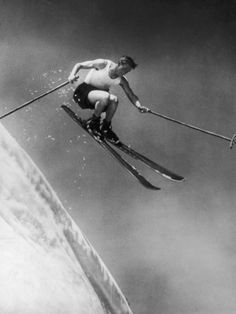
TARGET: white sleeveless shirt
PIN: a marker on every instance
(100, 77)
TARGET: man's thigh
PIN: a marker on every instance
(98, 95)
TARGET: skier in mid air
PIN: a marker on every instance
(94, 92)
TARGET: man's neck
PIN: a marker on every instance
(112, 72)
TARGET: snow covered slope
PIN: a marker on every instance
(46, 263)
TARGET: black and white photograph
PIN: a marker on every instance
(117, 157)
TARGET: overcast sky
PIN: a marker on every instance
(171, 251)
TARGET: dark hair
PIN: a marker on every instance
(129, 60)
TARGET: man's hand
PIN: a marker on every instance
(72, 78)
(142, 109)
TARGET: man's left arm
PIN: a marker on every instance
(130, 94)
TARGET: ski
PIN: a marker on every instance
(150, 163)
(130, 168)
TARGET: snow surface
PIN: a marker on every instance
(46, 263)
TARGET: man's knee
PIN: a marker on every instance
(107, 101)
(114, 100)
(103, 102)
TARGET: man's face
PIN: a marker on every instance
(123, 67)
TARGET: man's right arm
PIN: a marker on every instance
(97, 64)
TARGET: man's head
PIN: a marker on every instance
(125, 65)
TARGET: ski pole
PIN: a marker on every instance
(231, 140)
(37, 98)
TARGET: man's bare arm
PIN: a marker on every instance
(130, 94)
(97, 64)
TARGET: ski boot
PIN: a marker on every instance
(109, 135)
(93, 125)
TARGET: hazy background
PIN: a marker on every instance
(171, 251)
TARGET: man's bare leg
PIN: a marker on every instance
(106, 128)
(100, 100)
(111, 108)
(103, 102)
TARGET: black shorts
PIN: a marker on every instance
(81, 95)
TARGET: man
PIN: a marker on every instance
(94, 92)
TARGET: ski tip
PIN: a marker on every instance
(175, 178)
(179, 179)
(156, 188)
(151, 187)
(182, 179)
